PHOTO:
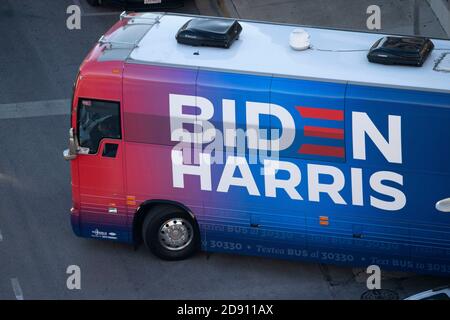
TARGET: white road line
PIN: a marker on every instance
(17, 289)
(1, 236)
(34, 109)
(99, 14)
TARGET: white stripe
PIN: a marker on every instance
(1, 236)
(17, 289)
(34, 109)
(99, 14)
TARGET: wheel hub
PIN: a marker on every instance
(176, 234)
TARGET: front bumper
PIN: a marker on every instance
(75, 221)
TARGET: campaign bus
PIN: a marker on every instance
(192, 133)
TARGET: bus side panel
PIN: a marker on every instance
(423, 167)
(100, 180)
(318, 111)
(147, 135)
(231, 212)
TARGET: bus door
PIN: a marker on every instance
(100, 167)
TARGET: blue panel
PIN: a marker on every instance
(410, 237)
(425, 167)
(229, 215)
(425, 125)
(240, 88)
(324, 111)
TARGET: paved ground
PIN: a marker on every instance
(38, 62)
(396, 16)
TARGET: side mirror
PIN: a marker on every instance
(443, 205)
(71, 153)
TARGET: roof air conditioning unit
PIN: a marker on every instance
(410, 51)
(209, 32)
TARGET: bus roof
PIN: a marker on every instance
(263, 48)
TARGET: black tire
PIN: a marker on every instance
(157, 220)
(94, 3)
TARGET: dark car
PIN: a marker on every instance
(140, 4)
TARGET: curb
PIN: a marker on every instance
(221, 8)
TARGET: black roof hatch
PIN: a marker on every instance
(209, 32)
(411, 51)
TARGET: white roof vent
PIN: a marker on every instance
(443, 64)
(299, 40)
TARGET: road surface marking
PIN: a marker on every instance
(17, 289)
(35, 109)
(99, 14)
(1, 236)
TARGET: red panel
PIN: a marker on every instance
(324, 114)
(327, 151)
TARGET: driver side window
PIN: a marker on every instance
(97, 120)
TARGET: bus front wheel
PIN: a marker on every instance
(170, 233)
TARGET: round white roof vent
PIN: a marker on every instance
(299, 40)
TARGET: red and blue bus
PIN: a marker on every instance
(260, 149)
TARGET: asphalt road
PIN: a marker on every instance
(38, 62)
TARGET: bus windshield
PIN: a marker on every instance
(97, 120)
